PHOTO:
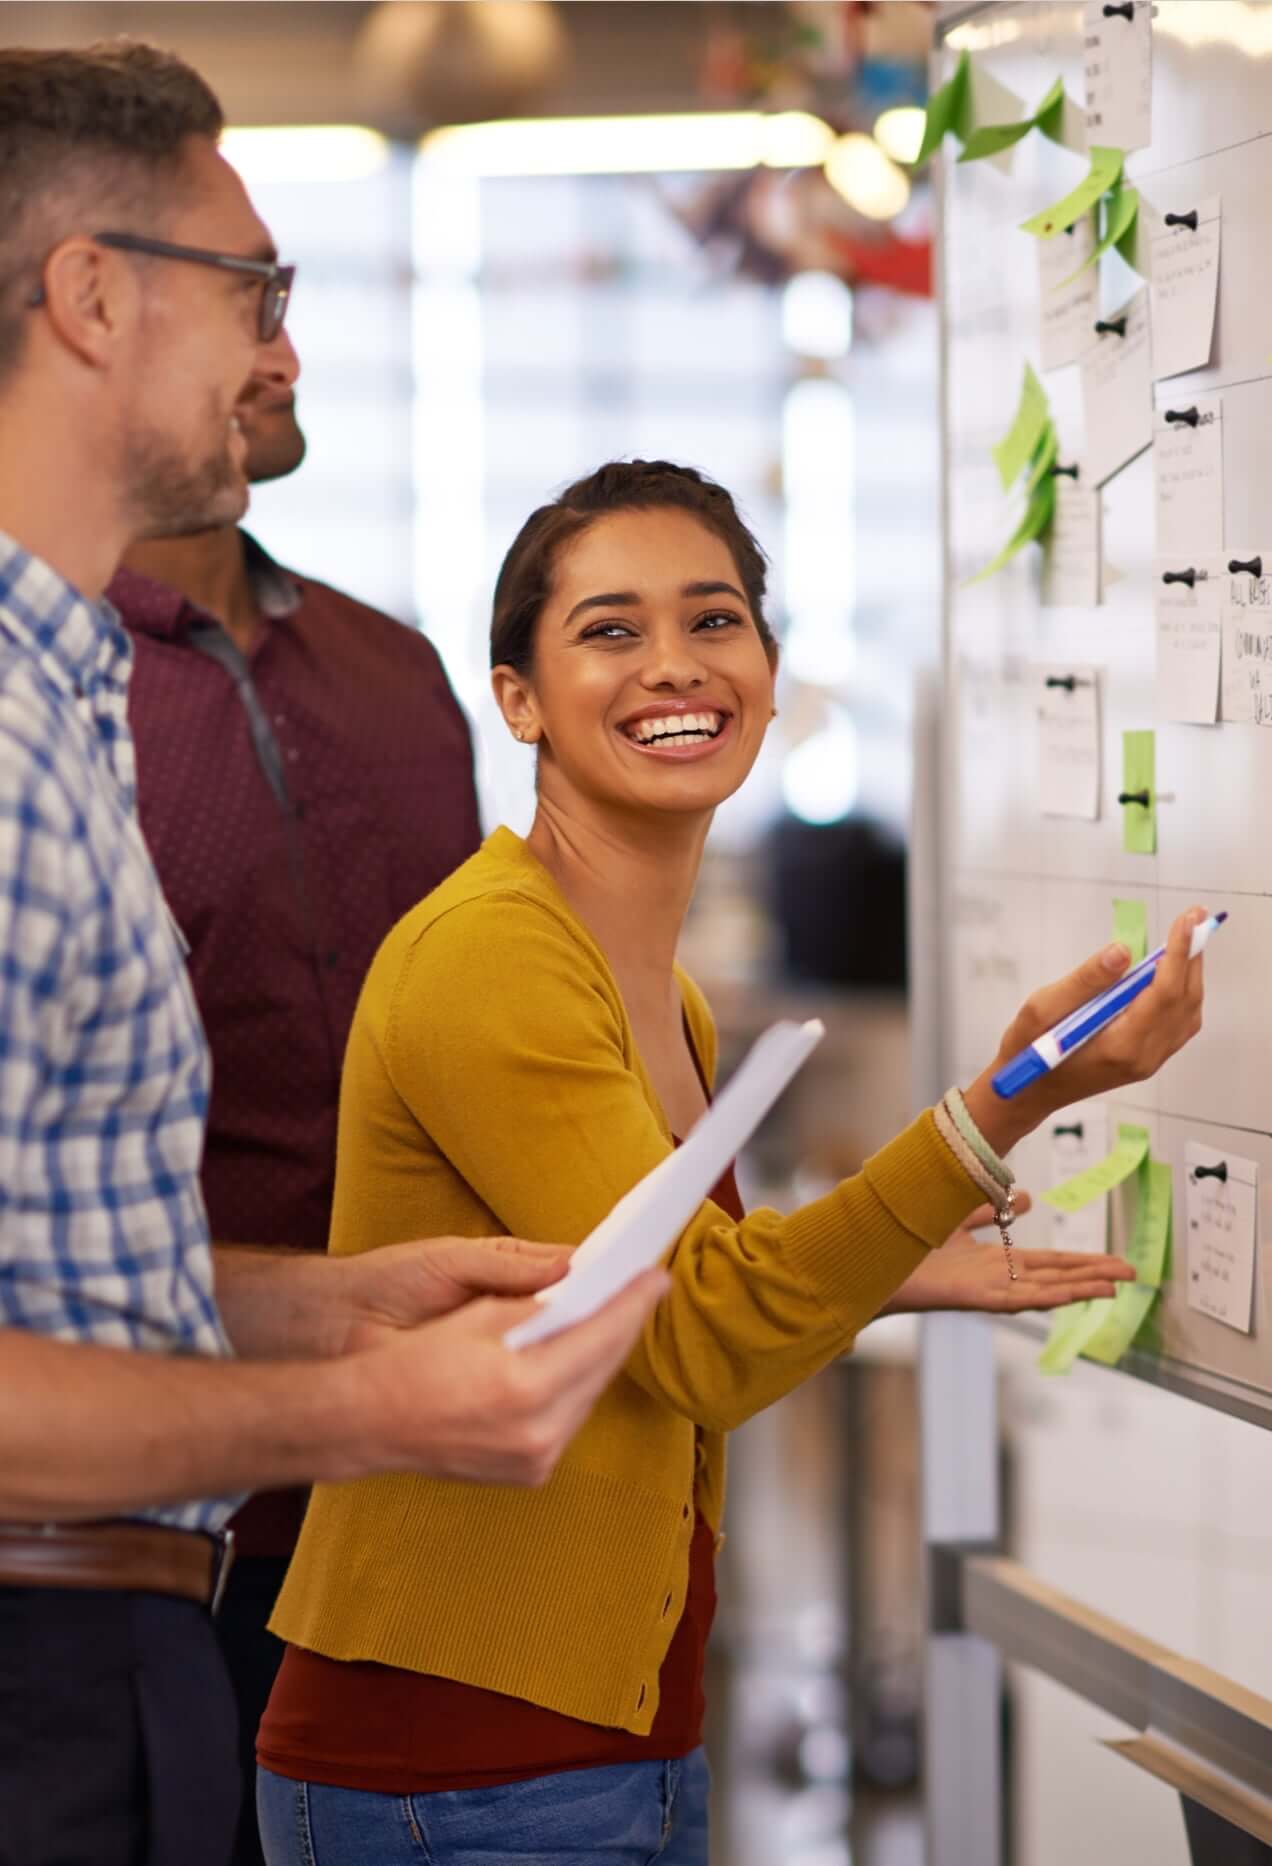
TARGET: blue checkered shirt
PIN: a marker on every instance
(104, 1067)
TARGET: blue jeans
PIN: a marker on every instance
(629, 1814)
(632, 1814)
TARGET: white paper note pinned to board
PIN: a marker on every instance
(647, 1220)
(1246, 679)
(1079, 1138)
(1071, 547)
(1223, 1202)
(1188, 613)
(1188, 474)
(1117, 390)
(1118, 66)
(1069, 742)
(1067, 306)
(1185, 287)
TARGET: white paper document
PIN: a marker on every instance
(1246, 679)
(1118, 63)
(1185, 288)
(1188, 475)
(1223, 1203)
(1117, 391)
(1188, 611)
(1066, 310)
(1069, 742)
(1071, 547)
(1079, 1138)
(647, 1220)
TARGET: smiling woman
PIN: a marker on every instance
(651, 643)
(526, 1668)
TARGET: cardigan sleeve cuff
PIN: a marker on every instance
(855, 1247)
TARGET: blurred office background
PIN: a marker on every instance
(532, 237)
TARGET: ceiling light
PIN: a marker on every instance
(324, 152)
(867, 179)
(795, 139)
(899, 132)
(701, 142)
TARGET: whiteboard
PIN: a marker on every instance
(1024, 897)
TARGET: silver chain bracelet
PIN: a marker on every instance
(1004, 1216)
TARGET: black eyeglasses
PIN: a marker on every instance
(276, 280)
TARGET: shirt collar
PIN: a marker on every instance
(75, 641)
(153, 608)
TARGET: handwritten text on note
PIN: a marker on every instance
(1188, 474)
(1069, 742)
(1247, 645)
(1185, 288)
(1189, 632)
(1118, 65)
(1223, 1194)
(1117, 391)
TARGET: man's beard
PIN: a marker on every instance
(173, 498)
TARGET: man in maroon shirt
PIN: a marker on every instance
(304, 777)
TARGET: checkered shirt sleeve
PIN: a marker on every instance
(104, 1070)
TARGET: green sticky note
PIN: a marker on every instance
(1150, 1240)
(1038, 515)
(1139, 782)
(1122, 1320)
(990, 139)
(948, 109)
(1104, 173)
(1044, 459)
(1119, 224)
(1094, 1181)
(1071, 1328)
(1103, 1330)
(1049, 116)
(1130, 925)
(1029, 425)
(1120, 212)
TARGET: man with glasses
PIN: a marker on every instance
(304, 777)
(122, 1407)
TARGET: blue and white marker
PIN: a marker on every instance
(1049, 1050)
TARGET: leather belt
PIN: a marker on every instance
(144, 1558)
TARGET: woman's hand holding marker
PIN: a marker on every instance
(1165, 1016)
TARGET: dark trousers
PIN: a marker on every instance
(117, 1732)
(252, 1657)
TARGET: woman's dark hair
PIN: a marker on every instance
(525, 578)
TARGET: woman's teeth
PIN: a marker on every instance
(677, 729)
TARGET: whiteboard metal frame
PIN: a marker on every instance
(1218, 1391)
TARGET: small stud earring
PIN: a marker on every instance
(773, 714)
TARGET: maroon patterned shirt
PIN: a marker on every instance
(286, 864)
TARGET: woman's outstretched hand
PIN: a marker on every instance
(1130, 1049)
(968, 1274)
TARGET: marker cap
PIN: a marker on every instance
(1019, 1073)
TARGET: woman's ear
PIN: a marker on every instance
(516, 702)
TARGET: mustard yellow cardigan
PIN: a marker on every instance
(492, 1085)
